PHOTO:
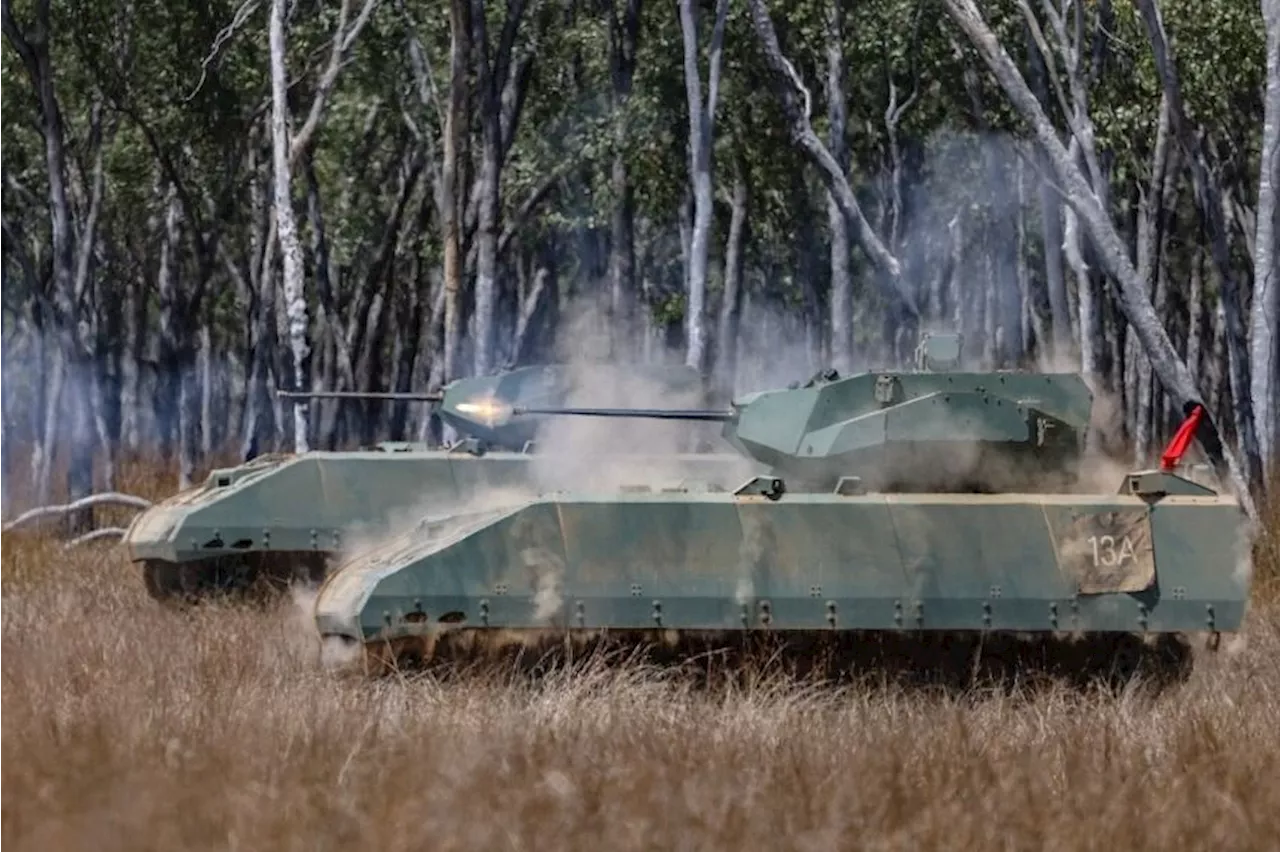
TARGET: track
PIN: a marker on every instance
(951, 660)
(253, 575)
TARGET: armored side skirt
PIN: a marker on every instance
(275, 514)
(717, 562)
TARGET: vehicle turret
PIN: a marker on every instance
(934, 427)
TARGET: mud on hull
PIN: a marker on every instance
(1100, 579)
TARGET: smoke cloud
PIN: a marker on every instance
(603, 454)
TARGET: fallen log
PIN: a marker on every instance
(94, 535)
(110, 498)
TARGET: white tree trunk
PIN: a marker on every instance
(1265, 344)
(1195, 313)
(207, 441)
(285, 152)
(286, 222)
(837, 115)
(702, 117)
(1090, 346)
(731, 302)
(450, 226)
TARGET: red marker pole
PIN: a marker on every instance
(1181, 439)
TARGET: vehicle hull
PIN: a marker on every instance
(286, 511)
(888, 562)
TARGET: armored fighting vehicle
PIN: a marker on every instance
(936, 504)
(282, 518)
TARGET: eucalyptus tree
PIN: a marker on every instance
(1085, 201)
(1265, 348)
(287, 148)
(74, 198)
(702, 119)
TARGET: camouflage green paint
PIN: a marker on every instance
(950, 541)
(866, 424)
(312, 502)
(809, 561)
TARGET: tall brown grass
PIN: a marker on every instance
(127, 725)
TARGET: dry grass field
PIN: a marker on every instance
(129, 726)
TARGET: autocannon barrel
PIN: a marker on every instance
(701, 414)
(406, 396)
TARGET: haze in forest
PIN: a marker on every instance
(757, 190)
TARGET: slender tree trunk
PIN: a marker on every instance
(624, 33)
(702, 115)
(956, 297)
(622, 258)
(287, 224)
(170, 314)
(491, 78)
(335, 370)
(1055, 279)
(731, 303)
(1050, 223)
(78, 408)
(131, 365)
(42, 358)
(1150, 231)
(808, 271)
(42, 459)
(454, 125)
(841, 283)
(1195, 313)
(1036, 314)
(188, 426)
(1265, 347)
(1007, 340)
(208, 443)
(1090, 318)
(259, 416)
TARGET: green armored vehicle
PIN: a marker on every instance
(281, 518)
(931, 503)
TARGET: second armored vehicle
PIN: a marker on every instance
(280, 518)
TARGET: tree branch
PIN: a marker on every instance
(530, 309)
(1133, 302)
(424, 80)
(88, 233)
(786, 83)
(343, 40)
(224, 35)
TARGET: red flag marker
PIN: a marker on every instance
(1178, 444)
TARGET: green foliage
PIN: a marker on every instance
(167, 110)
